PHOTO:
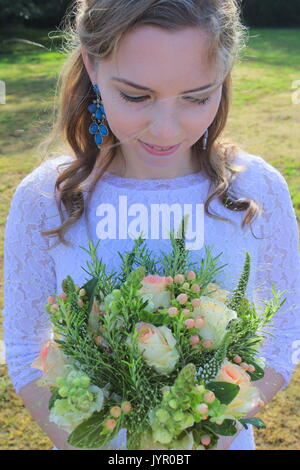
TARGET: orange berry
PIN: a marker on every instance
(115, 411)
(195, 288)
(191, 275)
(237, 359)
(205, 440)
(207, 343)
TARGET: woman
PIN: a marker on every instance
(161, 70)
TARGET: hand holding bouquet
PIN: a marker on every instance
(161, 350)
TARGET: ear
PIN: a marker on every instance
(89, 65)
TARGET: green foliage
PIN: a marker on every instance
(211, 366)
(227, 428)
(257, 422)
(247, 332)
(224, 391)
(240, 290)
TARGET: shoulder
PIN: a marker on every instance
(45, 174)
(41, 180)
(36, 190)
(259, 176)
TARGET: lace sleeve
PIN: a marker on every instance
(29, 278)
(279, 262)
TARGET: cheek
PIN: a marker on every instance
(122, 121)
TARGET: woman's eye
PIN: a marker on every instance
(138, 99)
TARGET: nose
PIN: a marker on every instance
(165, 126)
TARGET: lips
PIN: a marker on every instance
(158, 147)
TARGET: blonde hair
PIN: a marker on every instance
(99, 26)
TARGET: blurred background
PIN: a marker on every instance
(264, 120)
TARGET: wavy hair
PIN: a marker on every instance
(99, 26)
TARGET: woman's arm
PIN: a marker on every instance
(36, 401)
(269, 386)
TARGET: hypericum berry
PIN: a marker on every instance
(251, 368)
(244, 365)
(169, 280)
(126, 406)
(209, 397)
(195, 288)
(54, 308)
(185, 285)
(173, 311)
(202, 408)
(207, 343)
(194, 339)
(189, 323)
(205, 440)
(196, 302)
(182, 298)
(191, 275)
(179, 278)
(199, 322)
(220, 422)
(62, 296)
(237, 359)
(80, 302)
(82, 292)
(186, 312)
(110, 424)
(51, 300)
(115, 411)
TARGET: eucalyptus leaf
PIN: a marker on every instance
(257, 422)
(227, 428)
(87, 434)
(224, 391)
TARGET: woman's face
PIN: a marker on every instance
(169, 63)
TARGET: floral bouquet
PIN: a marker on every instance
(161, 350)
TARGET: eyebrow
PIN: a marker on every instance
(140, 87)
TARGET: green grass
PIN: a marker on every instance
(263, 121)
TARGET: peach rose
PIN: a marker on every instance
(155, 290)
(248, 396)
(233, 374)
(51, 361)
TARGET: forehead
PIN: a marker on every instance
(156, 57)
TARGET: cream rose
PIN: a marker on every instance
(214, 291)
(216, 318)
(158, 346)
(155, 288)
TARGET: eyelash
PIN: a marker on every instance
(138, 99)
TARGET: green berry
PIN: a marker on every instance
(85, 381)
(63, 391)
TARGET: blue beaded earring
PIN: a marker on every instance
(97, 128)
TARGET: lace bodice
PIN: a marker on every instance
(32, 273)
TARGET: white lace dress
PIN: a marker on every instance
(31, 273)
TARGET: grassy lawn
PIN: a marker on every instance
(263, 120)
